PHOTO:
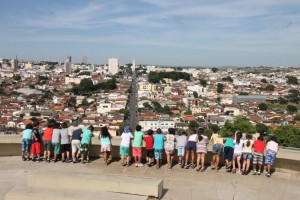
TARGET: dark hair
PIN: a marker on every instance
(50, 125)
(249, 137)
(261, 138)
(200, 137)
(171, 131)
(201, 130)
(273, 138)
(91, 128)
(64, 125)
(104, 132)
(138, 128)
(158, 131)
(238, 137)
(57, 125)
(35, 123)
(182, 133)
(29, 126)
(150, 132)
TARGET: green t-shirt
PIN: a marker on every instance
(138, 139)
(86, 136)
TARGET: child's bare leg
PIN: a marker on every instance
(193, 156)
(187, 157)
(202, 160)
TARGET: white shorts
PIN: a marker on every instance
(105, 147)
(75, 145)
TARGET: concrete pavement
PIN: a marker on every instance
(178, 183)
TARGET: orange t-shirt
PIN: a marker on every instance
(48, 134)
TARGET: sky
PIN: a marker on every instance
(211, 33)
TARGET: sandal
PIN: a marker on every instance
(202, 169)
(186, 166)
(198, 169)
(193, 166)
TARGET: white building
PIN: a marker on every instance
(113, 65)
(164, 123)
(104, 108)
(14, 64)
(133, 66)
(68, 65)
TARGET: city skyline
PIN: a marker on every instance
(231, 33)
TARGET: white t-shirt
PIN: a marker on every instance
(238, 148)
(193, 138)
(249, 148)
(272, 146)
(125, 142)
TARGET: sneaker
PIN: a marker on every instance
(23, 158)
(233, 171)
(74, 161)
(149, 165)
(157, 166)
(63, 160)
(140, 165)
(88, 160)
(136, 165)
(67, 160)
(123, 164)
(258, 173)
(239, 172)
(254, 172)
(179, 163)
(83, 161)
(169, 167)
(268, 174)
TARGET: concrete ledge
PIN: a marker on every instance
(93, 182)
(28, 193)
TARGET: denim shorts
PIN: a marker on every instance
(26, 144)
(180, 151)
(270, 157)
(247, 156)
(217, 149)
(158, 153)
(191, 145)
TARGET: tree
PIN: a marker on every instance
(288, 136)
(84, 102)
(239, 124)
(292, 109)
(293, 96)
(292, 80)
(262, 128)
(33, 113)
(203, 82)
(156, 105)
(122, 126)
(263, 106)
(214, 69)
(195, 94)
(227, 78)
(270, 87)
(188, 112)
(282, 100)
(193, 125)
(17, 77)
(220, 88)
(147, 106)
(264, 80)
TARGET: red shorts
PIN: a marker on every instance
(137, 151)
(36, 148)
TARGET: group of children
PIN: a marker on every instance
(192, 150)
(58, 138)
(191, 147)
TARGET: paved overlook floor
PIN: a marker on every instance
(179, 183)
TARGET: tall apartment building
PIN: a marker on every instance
(133, 66)
(113, 66)
(68, 65)
(15, 64)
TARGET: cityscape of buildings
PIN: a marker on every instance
(49, 90)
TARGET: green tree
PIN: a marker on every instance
(122, 126)
(156, 105)
(288, 136)
(214, 69)
(193, 125)
(33, 113)
(220, 88)
(203, 82)
(261, 128)
(293, 96)
(188, 112)
(264, 80)
(282, 100)
(195, 94)
(292, 109)
(147, 106)
(270, 87)
(17, 77)
(125, 113)
(239, 124)
(227, 78)
(84, 102)
(263, 106)
(292, 80)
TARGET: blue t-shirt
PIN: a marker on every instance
(104, 140)
(158, 141)
(76, 135)
(86, 136)
(26, 134)
(229, 142)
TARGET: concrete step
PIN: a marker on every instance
(95, 182)
(28, 193)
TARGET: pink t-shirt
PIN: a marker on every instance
(272, 146)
